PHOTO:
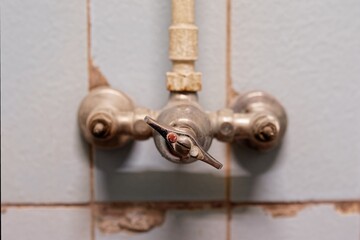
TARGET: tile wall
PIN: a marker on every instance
(56, 186)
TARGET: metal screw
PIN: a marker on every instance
(226, 128)
(183, 145)
(266, 132)
(100, 128)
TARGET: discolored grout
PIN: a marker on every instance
(92, 84)
(340, 205)
(96, 77)
(171, 205)
(92, 204)
(136, 217)
(284, 210)
(88, 40)
(348, 207)
(276, 209)
(229, 93)
(228, 191)
(45, 205)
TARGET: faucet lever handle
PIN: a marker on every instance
(182, 143)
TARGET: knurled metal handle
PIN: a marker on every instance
(182, 143)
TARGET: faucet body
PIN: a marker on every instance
(109, 119)
(183, 130)
(184, 113)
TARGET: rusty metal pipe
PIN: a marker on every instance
(183, 48)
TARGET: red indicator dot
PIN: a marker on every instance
(172, 137)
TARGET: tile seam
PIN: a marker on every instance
(91, 153)
(92, 203)
(88, 45)
(178, 205)
(228, 99)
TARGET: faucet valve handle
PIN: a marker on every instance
(182, 143)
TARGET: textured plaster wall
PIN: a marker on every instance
(55, 186)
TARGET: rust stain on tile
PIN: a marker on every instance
(113, 219)
(96, 77)
(284, 210)
(348, 207)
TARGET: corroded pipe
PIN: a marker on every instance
(183, 49)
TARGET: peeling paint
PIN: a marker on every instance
(113, 219)
(284, 210)
(348, 207)
(96, 77)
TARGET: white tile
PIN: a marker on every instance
(180, 224)
(306, 54)
(44, 78)
(130, 45)
(316, 222)
(45, 223)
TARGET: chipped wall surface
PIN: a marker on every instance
(54, 186)
(112, 219)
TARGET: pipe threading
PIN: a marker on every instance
(183, 48)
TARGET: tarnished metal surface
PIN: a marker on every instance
(108, 118)
(183, 49)
(188, 81)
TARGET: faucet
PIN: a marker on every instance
(182, 130)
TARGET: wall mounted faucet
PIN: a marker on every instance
(182, 130)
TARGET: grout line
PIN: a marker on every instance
(92, 204)
(228, 99)
(178, 204)
(310, 202)
(228, 202)
(45, 205)
(91, 149)
(229, 88)
(88, 45)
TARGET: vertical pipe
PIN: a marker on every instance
(183, 11)
(183, 49)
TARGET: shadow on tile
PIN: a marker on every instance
(158, 186)
(84, 147)
(114, 182)
(114, 158)
(255, 164)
